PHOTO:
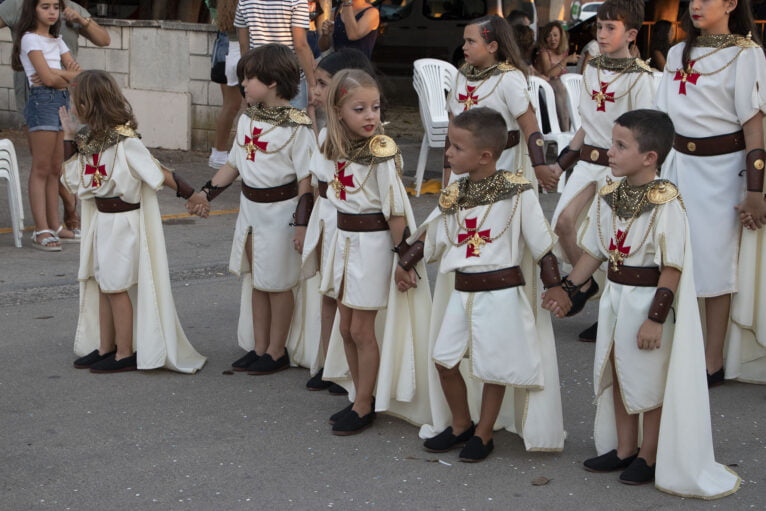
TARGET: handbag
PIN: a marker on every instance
(218, 58)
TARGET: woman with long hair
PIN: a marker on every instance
(552, 62)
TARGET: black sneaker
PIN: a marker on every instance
(90, 359)
(267, 365)
(608, 462)
(337, 390)
(713, 380)
(317, 383)
(589, 334)
(242, 363)
(475, 450)
(446, 441)
(339, 415)
(638, 472)
(351, 424)
(111, 365)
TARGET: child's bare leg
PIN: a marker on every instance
(122, 314)
(368, 358)
(281, 305)
(349, 347)
(651, 436)
(261, 320)
(716, 321)
(627, 425)
(456, 395)
(105, 324)
(329, 306)
(491, 399)
(566, 224)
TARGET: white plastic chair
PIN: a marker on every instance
(431, 79)
(555, 135)
(573, 84)
(9, 170)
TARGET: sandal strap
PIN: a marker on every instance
(35, 234)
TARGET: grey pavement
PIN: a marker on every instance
(161, 440)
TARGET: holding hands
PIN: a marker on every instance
(198, 205)
(557, 301)
(752, 211)
(548, 176)
(405, 279)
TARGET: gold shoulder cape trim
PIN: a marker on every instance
(472, 73)
(465, 193)
(89, 142)
(726, 41)
(279, 115)
(623, 65)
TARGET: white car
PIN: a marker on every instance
(589, 10)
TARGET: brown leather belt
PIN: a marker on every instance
(514, 137)
(634, 275)
(322, 187)
(368, 222)
(710, 146)
(115, 205)
(489, 280)
(594, 155)
(275, 194)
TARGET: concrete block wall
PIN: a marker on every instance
(164, 68)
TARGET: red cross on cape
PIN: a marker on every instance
(97, 171)
(601, 96)
(252, 143)
(477, 238)
(468, 99)
(686, 76)
(342, 181)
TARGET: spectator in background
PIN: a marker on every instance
(658, 49)
(552, 61)
(278, 21)
(518, 17)
(525, 40)
(355, 26)
(590, 50)
(76, 21)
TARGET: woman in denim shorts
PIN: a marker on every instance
(39, 51)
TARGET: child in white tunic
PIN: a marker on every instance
(714, 89)
(495, 76)
(271, 153)
(613, 83)
(646, 366)
(123, 265)
(486, 233)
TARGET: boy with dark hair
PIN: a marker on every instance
(613, 83)
(642, 369)
(487, 233)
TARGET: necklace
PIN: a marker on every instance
(471, 98)
(474, 236)
(97, 170)
(601, 96)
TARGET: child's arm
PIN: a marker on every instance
(182, 187)
(199, 203)
(45, 74)
(752, 211)
(545, 173)
(555, 298)
(405, 275)
(302, 212)
(570, 154)
(650, 333)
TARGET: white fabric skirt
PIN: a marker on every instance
(115, 250)
(361, 266)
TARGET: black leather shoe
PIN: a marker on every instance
(317, 383)
(242, 363)
(608, 462)
(267, 365)
(338, 415)
(475, 450)
(110, 365)
(713, 380)
(446, 441)
(91, 358)
(337, 390)
(352, 424)
(589, 334)
(638, 472)
(581, 298)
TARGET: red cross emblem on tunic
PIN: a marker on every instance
(477, 239)
(468, 99)
(341, 181)
(686, 76)
(601, 97)
(252, 143)
(618, 252)
(97, 171)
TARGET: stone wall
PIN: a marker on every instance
(164, 69)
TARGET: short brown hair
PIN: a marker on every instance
(99, 102)
(630, 12)
(487, 128)
(272, 63)
(653, 131)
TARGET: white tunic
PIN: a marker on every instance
(282, 157)
(361, 261)
(706, 106)
(630, 91)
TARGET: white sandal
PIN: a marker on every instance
(45, 243)
(74, 239)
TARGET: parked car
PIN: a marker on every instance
(589, 10)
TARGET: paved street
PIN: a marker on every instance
(160, 440)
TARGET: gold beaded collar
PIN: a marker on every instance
(721, 41)
(373, 150)
(466, 194)
(278, 115)
(620, 65)
(473, 73)
(632, 201)
(89, 142)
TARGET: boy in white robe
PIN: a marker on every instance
(642, 369)
(487, 226)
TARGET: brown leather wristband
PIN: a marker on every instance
(403, 246)
(447, 145)
(414, 253)
(183, 188)
(70, 148)
(661, 305)
(567, 158)
(535, 145)
(211, 192)
(303, 210)
(754, 169)
(549, 271)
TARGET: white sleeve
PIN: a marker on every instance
(750, 84)
(237, 153)
(674, 56)
(514, 88)
(70, 174)
(30, 42)
(391, 189)
(302, 150)
(141, 163)
(535, 229)
(63, 48)
(587, 238)
(670, 235)
(642, 94)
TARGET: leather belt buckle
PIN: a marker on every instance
(594, 155)
(691, 146)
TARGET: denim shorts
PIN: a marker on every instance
(42, 110)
